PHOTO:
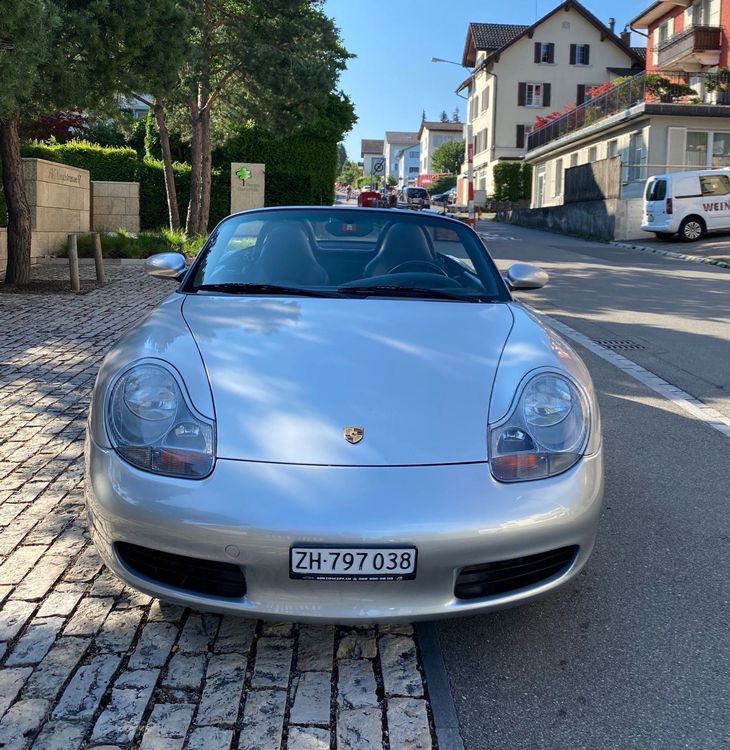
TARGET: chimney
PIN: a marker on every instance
(612, 25)
(626, 38)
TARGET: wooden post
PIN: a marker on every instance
(98, 259)
(73, 263)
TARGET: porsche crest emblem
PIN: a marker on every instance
(353, 434)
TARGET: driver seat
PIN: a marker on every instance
(286, 258)
(403, 242)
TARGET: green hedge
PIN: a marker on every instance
(300, 169)
(102, 162)
(512, 180)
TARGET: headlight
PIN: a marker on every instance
(545, 434)
(153, 428)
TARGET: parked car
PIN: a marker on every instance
(416, 197)
(341, 414)
(447, 198)
(687, 203)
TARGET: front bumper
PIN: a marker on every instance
(250, 514)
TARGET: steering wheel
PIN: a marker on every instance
(418, 265)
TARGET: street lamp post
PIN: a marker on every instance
(469, 151)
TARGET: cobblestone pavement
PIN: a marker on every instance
(88, 662)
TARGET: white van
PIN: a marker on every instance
(687, 203)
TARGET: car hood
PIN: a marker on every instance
(288, 375)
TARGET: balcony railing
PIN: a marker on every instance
(665, 87)
(691, 40)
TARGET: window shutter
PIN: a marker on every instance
(572, 53)
(521, 94)
(580, 97)
(546, 95)
(551, 53)
(537, 51)
(586, 54)
(520, 140)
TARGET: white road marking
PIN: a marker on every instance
(676, 395)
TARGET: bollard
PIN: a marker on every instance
(73, 263)
(99, 259)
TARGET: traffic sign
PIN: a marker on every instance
(378, 167)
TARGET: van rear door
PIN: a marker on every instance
(655, 207)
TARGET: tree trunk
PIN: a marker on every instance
(206, 172)
(19, 229)
(172, 209)
(192, 225)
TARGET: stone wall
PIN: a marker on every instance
(607, 220)
(114, 205)
(59, 198)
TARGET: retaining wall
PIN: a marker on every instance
(616, 219)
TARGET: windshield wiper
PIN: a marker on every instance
(242, 288)
(405, 291)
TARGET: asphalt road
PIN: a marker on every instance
(635, 654)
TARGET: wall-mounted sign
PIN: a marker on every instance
(248, 183)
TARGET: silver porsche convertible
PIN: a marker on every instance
(341, 414)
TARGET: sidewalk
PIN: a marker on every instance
(88, 662)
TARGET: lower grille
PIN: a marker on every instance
(490, 579)
(188, 573)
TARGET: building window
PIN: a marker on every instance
(721, 150)
(636, 157)
(533, 95)
(574, 160)
(558, 181)
(696, 149)
(413, 154)
(700, 13)
(412, 170)
(612, 148)
(485, 100)
(544, 52)
(580, 54)
(592, 154)
(540, 186)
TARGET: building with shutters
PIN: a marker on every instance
(431, 135)
(673, 117)
(524, 72)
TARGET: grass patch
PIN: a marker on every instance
(124, 244)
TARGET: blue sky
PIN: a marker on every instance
(392, 78)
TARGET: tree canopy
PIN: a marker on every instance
(449, 157)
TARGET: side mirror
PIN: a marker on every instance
(166, 266)
(525, 276)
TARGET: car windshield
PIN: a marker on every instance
(656, 190)
(417, 192)
(357, 253)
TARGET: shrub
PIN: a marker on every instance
(300, 169)
(442, 184)
(102, 162)
(512, 180)
(123, 244)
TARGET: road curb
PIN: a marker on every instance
(445, 720)
(672, 254)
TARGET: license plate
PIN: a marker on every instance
(352, 563)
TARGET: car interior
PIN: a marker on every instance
(337, 252)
